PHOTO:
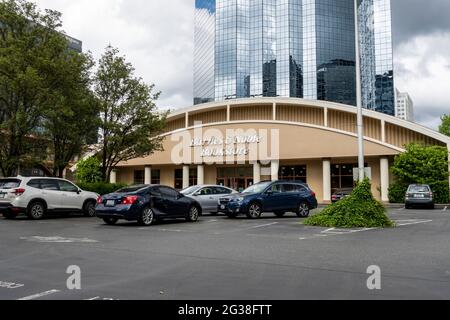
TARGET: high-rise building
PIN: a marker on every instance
(405, 106)
(293, 48)
(75, 44)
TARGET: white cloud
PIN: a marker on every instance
(423, 70)
(156, 36)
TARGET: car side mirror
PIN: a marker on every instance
(79, 191)
(269, 192)
(180, 196)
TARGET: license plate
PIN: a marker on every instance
(419, 196)
(222, 207)
(110, 203)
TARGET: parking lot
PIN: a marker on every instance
(219, 258)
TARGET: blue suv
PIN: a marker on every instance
(278, 197)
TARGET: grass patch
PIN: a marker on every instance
(360, 210)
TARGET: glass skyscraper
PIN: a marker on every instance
(293, 48)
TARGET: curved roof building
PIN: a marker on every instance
(240, 142)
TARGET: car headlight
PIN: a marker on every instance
(240, 199)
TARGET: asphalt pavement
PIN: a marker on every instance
(222, 259)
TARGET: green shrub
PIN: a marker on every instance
(441, 192)
(397, 192)
(101, 188)
(421, 164)
(89, 171)
(360, 210)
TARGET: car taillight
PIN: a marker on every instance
(19, 192)
(313, 194)
(129, 200)
(99, 200)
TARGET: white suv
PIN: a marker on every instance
(36, 196)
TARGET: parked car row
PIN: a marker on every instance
(146, 204)
(149, 203)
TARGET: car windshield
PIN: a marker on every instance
(131, 189)
(9, 183)
(190, 190)
(257, 188)
(419, 189)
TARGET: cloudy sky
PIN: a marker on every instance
(157, 37)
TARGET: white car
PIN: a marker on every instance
(37, 196)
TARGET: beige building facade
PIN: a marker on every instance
(241, 142)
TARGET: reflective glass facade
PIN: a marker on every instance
(377, 55)
(205, 34)
(293, 48)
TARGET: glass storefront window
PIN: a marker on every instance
(156, 176)
(238, 179)
(139, 177)
(297, 173)
(179, 178)
(342, 176)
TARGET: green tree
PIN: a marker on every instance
(130, 124)
(89, 171)
(27, 39)
(444, 128)
(421, 164)
(71, 112)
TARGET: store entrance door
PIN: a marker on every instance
(239, 178)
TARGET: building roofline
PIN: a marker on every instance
(313, 104)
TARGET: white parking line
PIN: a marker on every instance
(10, 285)
(39, 295)
(262, 226)
(402, 223)
(57, 239)
(335, 231)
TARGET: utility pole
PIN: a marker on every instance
(361, 162)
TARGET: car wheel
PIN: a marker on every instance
(254, 211)
(194, 213)
(303, 210)
(110, 221)
(36, 210)
(280, 214)
(89, 209)
(147, 217)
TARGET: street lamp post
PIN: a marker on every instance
(360, 124)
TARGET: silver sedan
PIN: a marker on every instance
(208, 196)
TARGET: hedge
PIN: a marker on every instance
(101, 188)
